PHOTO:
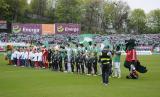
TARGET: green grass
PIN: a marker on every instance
(27, 82)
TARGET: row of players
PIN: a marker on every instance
(64, 60)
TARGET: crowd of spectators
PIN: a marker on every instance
(142, 40)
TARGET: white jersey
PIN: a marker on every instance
(31, 56)
(23, 55)
(35, 57)
(18, 55)
(14, 54)
(40, 56)
(69, 51)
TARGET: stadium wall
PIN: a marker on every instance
(139, 52)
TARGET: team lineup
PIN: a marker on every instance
(91, 60)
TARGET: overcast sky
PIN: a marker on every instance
(146, 5)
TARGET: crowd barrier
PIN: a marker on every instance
(2, 44)
(139, 52)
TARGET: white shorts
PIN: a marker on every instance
(116, 64)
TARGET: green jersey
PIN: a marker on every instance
(117, 56)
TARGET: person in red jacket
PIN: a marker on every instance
(45, 57)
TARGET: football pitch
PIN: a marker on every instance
(28, 82)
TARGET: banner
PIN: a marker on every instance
(48, 29)
(147, 48)
(3, 24)
(45, 29)
(27, 28)
(62, 28)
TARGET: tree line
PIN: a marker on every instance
(95, 16)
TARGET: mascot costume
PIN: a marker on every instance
(132, 62)
(9, 49)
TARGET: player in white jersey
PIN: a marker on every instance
(40, 63)
(18, 57)
(22, 58)
(31, 56)
(35, 59)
